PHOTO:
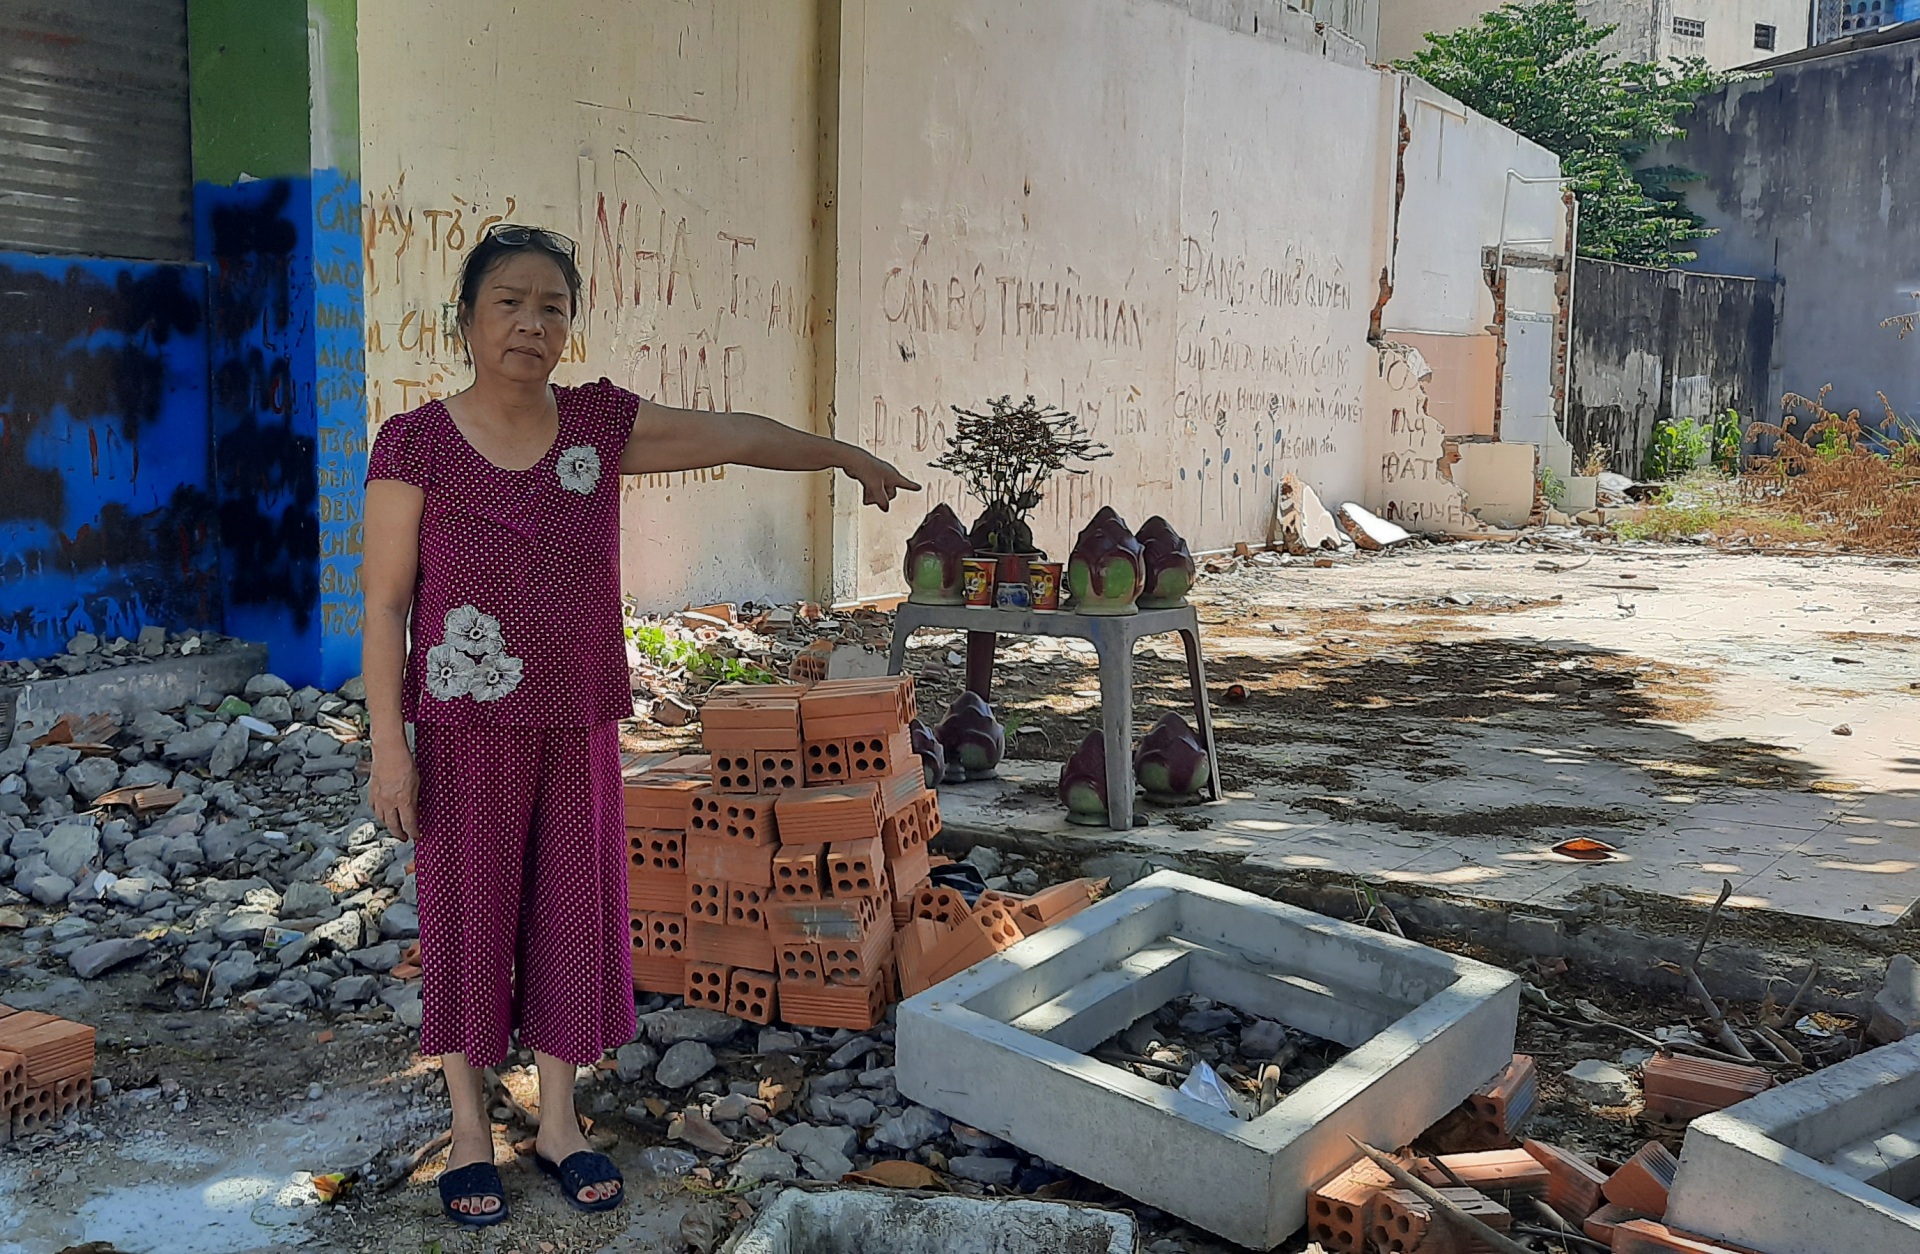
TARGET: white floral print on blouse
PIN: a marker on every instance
(579, 469)
(471, 661)
(474, 632)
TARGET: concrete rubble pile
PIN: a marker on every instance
(224, 843)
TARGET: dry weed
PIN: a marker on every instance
(1857, 485)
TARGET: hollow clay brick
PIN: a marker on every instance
(1643, 1181)
(847, 963)
(819, 816)
(13, 1081)
(706, 901)
(665, 894)
(661, 804)
(944, 906)
(664, 852)
(881, 756)
(51, 1048)
(1573, 1183)
(747, 905)
(911, 945)
(1050, 905)
(717, 943)
(857, 1008)
(903, 895)
(43, 1105)
(929, 814)
(735, 771)
(901, 832)
(1403, 1222)
(1645, 1236)
(707, 985)
(910, 869)
(750, 995)
(711, 858)
(825, 761)
(846, 919)
(1497, 1173)
(773, 722)
(797, 874)
(1339, 1209)
(666, 976)
(1689, 1087)
(903, 790)
(857, 868)
(973, 939)
(667, 936)
(742, 820)
(1601, 1224)
(799, 964)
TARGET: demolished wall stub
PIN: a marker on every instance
(1003, 1046)
(1415, 485)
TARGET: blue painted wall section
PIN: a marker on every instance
(257, 240)
(340, 407)
(107, 519)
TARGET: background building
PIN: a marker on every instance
(1727, 33)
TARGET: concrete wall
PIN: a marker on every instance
(1130, 232)
(1654, 344)
(107, 517)
(1809, 179)
(678, 143)
(1645, 26)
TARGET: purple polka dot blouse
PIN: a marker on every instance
(516, 609)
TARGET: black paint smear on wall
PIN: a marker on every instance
(45, 326)
(264, 465)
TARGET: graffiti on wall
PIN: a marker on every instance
(107, 520)
(257, 239)
(340, 416)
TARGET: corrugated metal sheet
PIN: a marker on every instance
(94, 146)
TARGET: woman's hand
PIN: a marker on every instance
(879, 481)
(394, 790)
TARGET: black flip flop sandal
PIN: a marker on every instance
(580, 1169)
(475, 1180)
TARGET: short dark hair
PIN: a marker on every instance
(492, 250)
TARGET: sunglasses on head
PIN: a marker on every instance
(514, 236)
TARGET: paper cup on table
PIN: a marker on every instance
(977, 579)
(1044, 579)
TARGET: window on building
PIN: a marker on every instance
(1763, 36)
(1690, 27)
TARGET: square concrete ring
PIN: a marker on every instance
(1003, 1046)
(1817, 1165)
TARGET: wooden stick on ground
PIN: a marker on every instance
(1494, 1239)
(1715, 1016)
(1784, 1016)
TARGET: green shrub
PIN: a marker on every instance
(1727, 442)
(1679, 445)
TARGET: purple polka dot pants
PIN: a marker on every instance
(521, 870)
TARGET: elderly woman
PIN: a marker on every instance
(492, 577)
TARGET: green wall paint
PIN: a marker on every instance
(248, 64)
(335, 26)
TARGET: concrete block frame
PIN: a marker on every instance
(1817, 1165)
(1003, 1046)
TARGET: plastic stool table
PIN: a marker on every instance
(1113, 638)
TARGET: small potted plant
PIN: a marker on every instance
(1003, 458)
(1583, 486)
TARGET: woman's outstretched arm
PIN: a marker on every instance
(666, 439)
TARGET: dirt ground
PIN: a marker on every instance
(1321, 679)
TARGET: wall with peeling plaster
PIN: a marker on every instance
(677, 142)
(1810, 179)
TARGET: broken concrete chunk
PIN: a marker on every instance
(709, 1027)
(1601, 1083)
(634, 1061)
(1896, 1007)
(825, 1153)
(1305, 525)
(95, 960)
(683, 1064)
(765, 1163)
(1370, 531)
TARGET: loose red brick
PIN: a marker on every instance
(1686, 1088)
(773, 722)
(1050, 905)
(929, 814)
(1643, 1181)
(797, 874)
(1645, 1236)
(51, 1048)
(910, 869)
(662, 804)
(901, 833)
(707, 985)
(43, 1105)
(1403, 1222)
(1601, 1224)
(857, 868)
(1339, 1209)
(1573, 1183)
(847, 962)
(857, 1008)
(944, 906)
(751, 995)
(13, 1081)
(1499, 1174)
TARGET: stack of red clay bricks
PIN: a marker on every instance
(770, 885)
(46, 1070)
(1485, 1172)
